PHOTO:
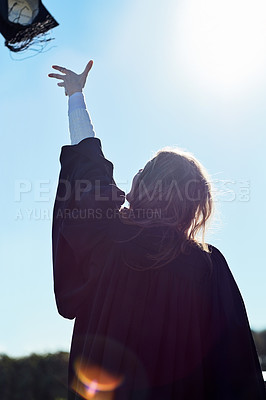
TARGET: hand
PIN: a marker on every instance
(72, 82)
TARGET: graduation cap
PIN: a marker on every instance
(22, 20)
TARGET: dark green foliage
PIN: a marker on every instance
(44, 377)
(260, 342)
(36, 377)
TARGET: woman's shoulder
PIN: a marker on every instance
(212, 254)
(220, 274)
(202, 264)
(218, 260)
(216, 253)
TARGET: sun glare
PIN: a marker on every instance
(221, 44)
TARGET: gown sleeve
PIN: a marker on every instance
(231, 362)
(86, 206)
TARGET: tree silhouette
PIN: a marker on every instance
(36, 377)
(44, 377)
(260, 342)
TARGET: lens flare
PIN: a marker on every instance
(94, 382)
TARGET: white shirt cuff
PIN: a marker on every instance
(80, 126)
(76, 100)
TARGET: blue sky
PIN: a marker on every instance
(187, 73)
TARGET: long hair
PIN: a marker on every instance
(173, 191)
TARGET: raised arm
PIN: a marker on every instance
(86, 203)
(80, 125)
(85, 206)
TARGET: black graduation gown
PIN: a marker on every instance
(176, 332)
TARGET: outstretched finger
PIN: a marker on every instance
(61, 69)
(57, 76)
(88, 68)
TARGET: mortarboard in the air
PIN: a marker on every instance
(22, 20)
